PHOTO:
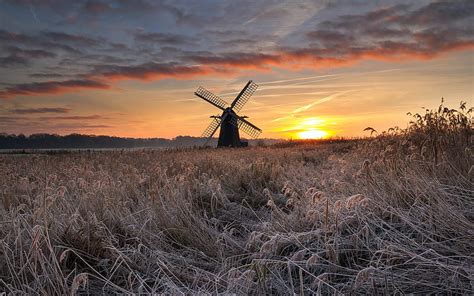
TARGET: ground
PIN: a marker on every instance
(368, 216)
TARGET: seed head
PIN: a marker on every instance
(312, 261)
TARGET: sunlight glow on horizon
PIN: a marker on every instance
(312, 134)
(309, 128)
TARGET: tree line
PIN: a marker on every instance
(72, 141)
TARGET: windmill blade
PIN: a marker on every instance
(249, 128)
(244, 96)
(211, 98)
(246, 126)
(211, 129)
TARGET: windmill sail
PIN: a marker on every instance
(211, 98)
(212, 128)
(246, 126)
(244, 96)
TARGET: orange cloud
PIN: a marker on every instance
(150, 71)
(239, 60)
(292, 59)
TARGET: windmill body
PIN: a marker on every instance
(229, 122)
(229, 133)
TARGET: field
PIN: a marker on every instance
(390, 214)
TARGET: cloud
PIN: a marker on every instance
(381, 34)
(39, 110)
(238, 59)
(51, 87)
(8, 119)
(29, 53)
(13, 61)
(36, 41)
(149, 71)
(391, 33)
(22, 57)
(93, 6)
(330, 36)
(440, 13)
(163, 38)
(76, 117)
(22, 126)
(47, 75)
(34, 2)
(62, 37)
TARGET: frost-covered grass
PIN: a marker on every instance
(391, 214)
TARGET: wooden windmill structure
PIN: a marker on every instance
(229, 121)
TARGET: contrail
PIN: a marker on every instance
(319, 101)
(32, 10)
(296, 79)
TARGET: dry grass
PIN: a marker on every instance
(393, 214)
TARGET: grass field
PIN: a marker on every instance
(391, 214)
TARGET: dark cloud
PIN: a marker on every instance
(441, 12)
(98, 7)
(23, 57)
(140, 8)
(61, 37)
(47, 75)
(95, 126)
(12, 37)
(360, 22)
(52, 41)
(399, 21)
(34, 2)
(51, 87)
(39, 110)
(13, 61)
(331, 37)
(148, 71)
(88, 61)
(75, 117)
(60, 47)
(8, 119)
(392, 33)
(222, 34)
(163, 38)
(37, 126)
(29, 53)
(237, 42)
(34, 41)
(118, 46)
(238, 59)
(387, 32)
(93, 6)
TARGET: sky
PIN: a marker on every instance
(324, 68)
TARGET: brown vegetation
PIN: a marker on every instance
(392, 214)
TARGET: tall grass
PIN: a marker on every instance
(390, 215)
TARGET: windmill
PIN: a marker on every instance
(229, 122)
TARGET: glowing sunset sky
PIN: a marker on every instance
(129, 68)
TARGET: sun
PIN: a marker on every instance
(312, 134)
(309, 128)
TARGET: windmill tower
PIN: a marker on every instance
(229, 122)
